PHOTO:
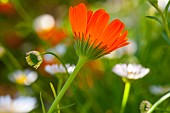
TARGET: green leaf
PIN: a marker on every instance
(155, 18)
(53, 90)
(42, 103)
(67, 106)
(166, 8)
(154, 2)
(166, 37)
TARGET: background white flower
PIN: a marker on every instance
(158, 89)
(26, 77)
(58, 68)
(130, 71)
(44, 22)
(18, 105)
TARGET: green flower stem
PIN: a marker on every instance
(125, 96)
(165, 23)
(58, 90)
(59, 85)
(58, 59)
(80, 63)
(159, 102)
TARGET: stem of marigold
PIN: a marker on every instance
(159, 102)
(80, 63)
(125, 96)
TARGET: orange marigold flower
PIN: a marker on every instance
(94, 36)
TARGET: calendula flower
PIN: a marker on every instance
(94, 36)
(58, 68)
(20, 104)
(26, 77)
(130, 71)
(34, 58)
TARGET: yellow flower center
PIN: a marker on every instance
(21, 79)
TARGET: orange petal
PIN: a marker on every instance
(115, 35)
(111, 29)
(78, 19)
(101, 23)
(92, 22)
(89, 15)
(119, 41)
(71, 18)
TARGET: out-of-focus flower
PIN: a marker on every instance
(12, 39)
(2, 51)
(55, 68)
(20, 104)
(162, 4)
(45, 27)
(159, 90)
(6, 8)
(34, 58)
(26, 77)
(145, 106)
(59, 49)
(128, 50)
(94, 37)
(130, 71)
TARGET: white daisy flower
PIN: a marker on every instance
(18, 105)
(130, 71)
(55, 68)
(26, 77)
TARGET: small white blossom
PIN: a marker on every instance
(26, 77)
(130, 71)
(55, 68)
(18, 105)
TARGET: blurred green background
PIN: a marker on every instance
(96, 88)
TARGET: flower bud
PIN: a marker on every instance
(34, 58)
(145, 106)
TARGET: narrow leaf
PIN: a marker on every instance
(67, 106)
(155, 18)
(166, 8)
(53, 90)
(42, 104)
(166, 37)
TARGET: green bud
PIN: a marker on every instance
(34, 59)
(145, 106)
